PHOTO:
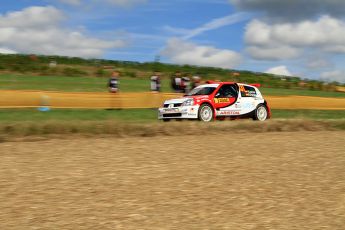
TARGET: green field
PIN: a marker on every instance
(97, 84)
(14, 115)
(72, 84)
(137, 115)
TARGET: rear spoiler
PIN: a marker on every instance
(256, 85)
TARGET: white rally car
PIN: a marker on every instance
(218, 101)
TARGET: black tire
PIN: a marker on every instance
(166, 119)
(205, 113)
(260, 113)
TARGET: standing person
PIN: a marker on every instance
(156, 82)
(176, 80)
(196, 81)
(185, 84)
(113, 83)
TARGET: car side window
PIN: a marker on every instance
(247, 91)
(227, 91)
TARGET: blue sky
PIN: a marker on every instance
(288, 37)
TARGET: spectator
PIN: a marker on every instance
(185, 84)
(176, 82)
(196, 81)
(156, 82)
(113, 83)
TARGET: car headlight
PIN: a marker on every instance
(188, 102)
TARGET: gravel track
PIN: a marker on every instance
(289, 180)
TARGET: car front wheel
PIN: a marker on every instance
(261, 113)
(205, 113)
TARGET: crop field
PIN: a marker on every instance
(228, 181)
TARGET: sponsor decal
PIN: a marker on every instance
(242, 88)
(247, 93)
(221, 100)
(229, 112)
(192, 112)
(250, 93)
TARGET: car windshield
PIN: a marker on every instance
(202, 91)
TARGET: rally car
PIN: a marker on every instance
(218, 101)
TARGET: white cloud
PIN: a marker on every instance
(336, 75)
(7, 51)
(325, 34)
(279, 70)
(38, 30)
(211, 25)
(272, 53)
(32, 17)
(217, 23)
(183, 52)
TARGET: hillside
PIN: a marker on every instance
(78, 67)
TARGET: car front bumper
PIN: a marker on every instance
(183, 112)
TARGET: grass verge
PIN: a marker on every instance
(76, 115)
(137, 115)
(64, 129)
(28, 123)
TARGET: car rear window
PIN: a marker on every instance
(247, 91)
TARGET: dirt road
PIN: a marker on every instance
(251, 181)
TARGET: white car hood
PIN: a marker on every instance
(176, 101)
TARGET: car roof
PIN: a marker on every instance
(228, 82)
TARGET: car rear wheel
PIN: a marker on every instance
(205, 113)
(261, 113)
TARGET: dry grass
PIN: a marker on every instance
(89, 100)
(61, 129)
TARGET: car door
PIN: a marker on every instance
(247, 99)
(225, 100)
